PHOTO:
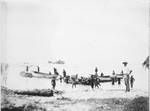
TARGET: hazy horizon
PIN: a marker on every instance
(85, 34)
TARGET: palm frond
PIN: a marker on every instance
(146, 63)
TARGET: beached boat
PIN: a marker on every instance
(44, 75)
(36, 74)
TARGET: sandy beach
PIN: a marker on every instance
(81, 98)
(107, 97)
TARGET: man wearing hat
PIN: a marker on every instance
(126, 73)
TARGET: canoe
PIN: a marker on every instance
(38, 75)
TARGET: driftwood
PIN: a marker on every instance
(36, 92)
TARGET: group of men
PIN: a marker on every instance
(64, 77)
(94, 81)
(126, 74)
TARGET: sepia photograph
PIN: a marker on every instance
(74, 55)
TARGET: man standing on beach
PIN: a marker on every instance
(27, 68)
(113, 78)
(132, 81)
(38, 68)
(73, 82)
(53, 82)
(60, 79)
(92, 81)
(119, 81)
(127, 73)
(64, 73)
(96, 70)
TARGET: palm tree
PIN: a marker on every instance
(146, 63)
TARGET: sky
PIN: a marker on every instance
(84, 33)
